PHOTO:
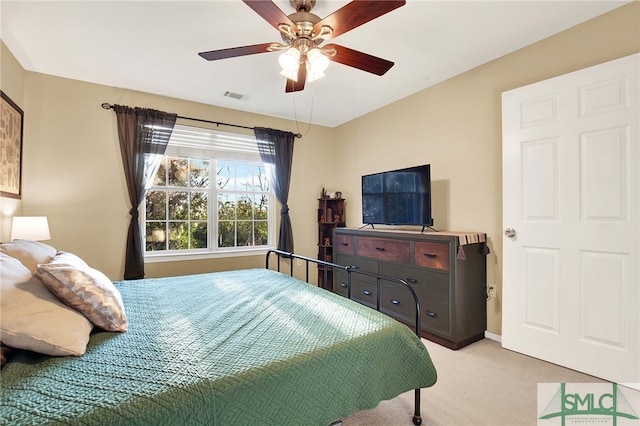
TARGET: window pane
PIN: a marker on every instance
(178, 206)
(161, 175)
(226, 206)
(261, 207)
(178, 171)
(199, 205)
(244, 176)
(198, 235)
(225, 175)
(261, 233)
(155, 236)
(245, 233)
(260, 179)
(156, 207)
(245, 206)
(178, 236)
(226, 234)
(199, 173)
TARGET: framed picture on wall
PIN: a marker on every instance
(11, 121)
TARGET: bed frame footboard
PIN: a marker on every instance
(351, 270)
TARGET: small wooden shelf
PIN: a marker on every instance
(331, 215)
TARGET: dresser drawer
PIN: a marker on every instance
(431, 255)
(344, 244)
(434, 316)
(425, 283)
(384, 249)
(396, 301)
(363, 264)
(340, 283)
(364, 291)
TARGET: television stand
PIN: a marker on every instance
(451, 287)
(431, 228)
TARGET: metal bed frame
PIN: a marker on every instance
(417, 418)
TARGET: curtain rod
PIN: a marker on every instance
(106, 105)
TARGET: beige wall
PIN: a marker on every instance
(12, 84)
(73, 172)
(456, 127)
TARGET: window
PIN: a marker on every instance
(210, 195)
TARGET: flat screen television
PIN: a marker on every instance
(398, 197)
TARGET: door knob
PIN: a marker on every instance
(510, 232)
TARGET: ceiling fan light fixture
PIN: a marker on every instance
(291, 75)
(317, 61)
(313, 76)
(290, 60)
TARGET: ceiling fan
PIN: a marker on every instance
(302, 32)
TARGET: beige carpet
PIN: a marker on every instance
(481, 384)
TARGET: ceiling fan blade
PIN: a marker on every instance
(271, 13)
(232, 52)
(296, 86)
(363, 61)
(356, 13)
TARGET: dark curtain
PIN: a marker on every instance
(144, 135)
(276, 149)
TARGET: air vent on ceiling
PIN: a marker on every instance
(234, 95)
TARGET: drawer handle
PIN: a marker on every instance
(380, 248)
(344, 244)
(367, 293)
(344, 285)
(411, 280)
(395, 301)
(431, 255)
(431, 314)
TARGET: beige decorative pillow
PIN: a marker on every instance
(30, 253)
(85, 289)
(32, 318)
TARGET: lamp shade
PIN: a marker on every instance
(32, 228)
(290, 60)
(317, 61)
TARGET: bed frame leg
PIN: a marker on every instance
(417, 418)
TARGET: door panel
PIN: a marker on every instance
(571, 191)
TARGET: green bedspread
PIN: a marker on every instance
(251, 347)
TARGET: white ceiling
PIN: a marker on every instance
(152, 46)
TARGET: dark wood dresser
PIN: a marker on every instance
(446, 269)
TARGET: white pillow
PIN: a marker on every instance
(30, 253)
(85, 289)
(66, 258)
(32, 318)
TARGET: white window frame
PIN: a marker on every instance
(198, 142)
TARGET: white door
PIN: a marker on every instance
(571, 194)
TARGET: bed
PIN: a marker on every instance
(253, 346)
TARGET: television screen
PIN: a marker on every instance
(398, 197)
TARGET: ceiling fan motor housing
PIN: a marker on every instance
(303, 5)
(305, 22)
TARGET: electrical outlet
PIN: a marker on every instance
(299, 262)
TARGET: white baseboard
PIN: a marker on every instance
(491, 336)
